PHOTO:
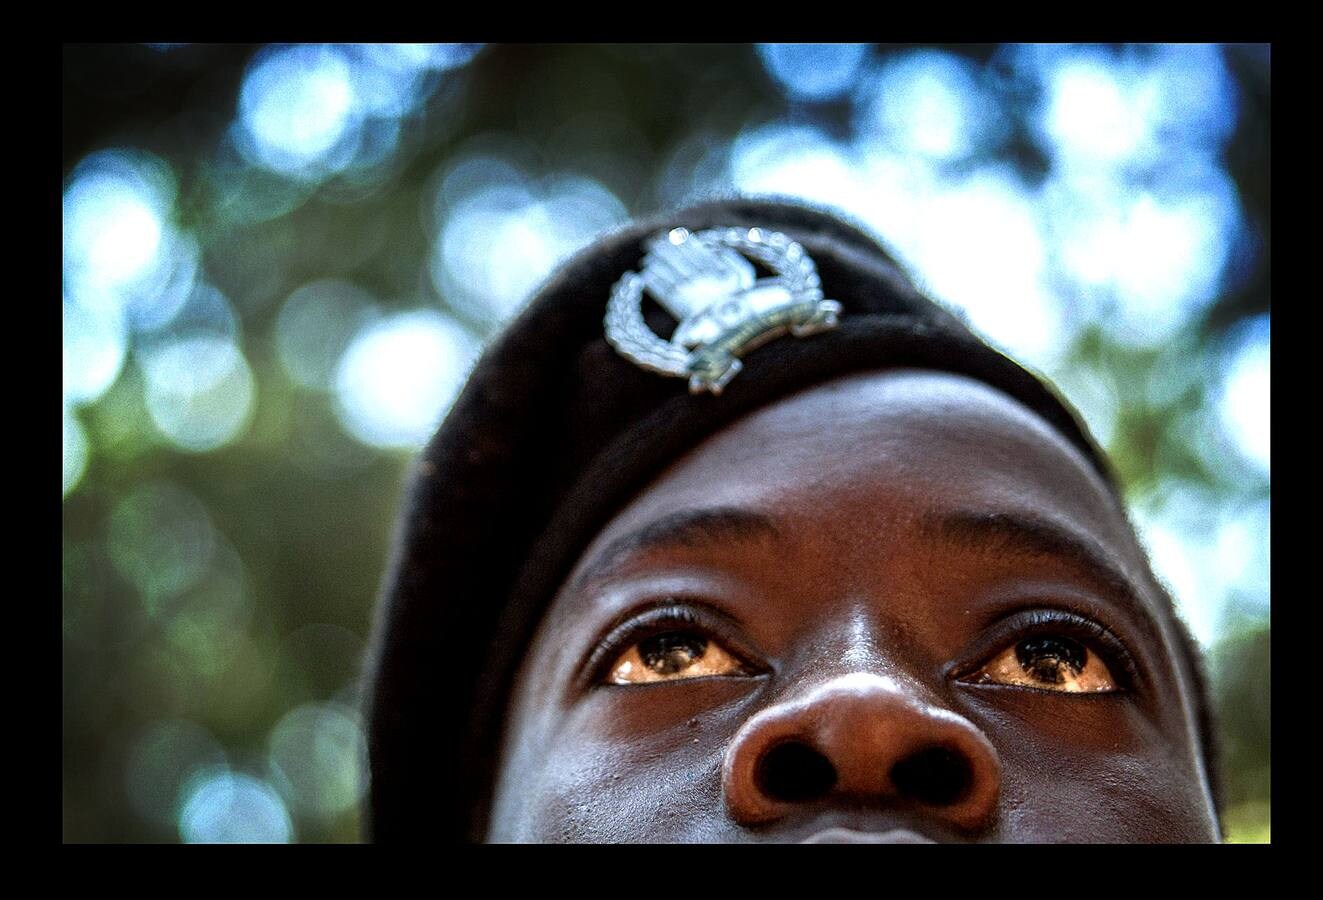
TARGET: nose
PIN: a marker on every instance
(867, 738)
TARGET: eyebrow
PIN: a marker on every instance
(988, 531)
(1032, 535)
(685, 528)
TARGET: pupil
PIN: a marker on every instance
(1051, 659)
(671, 652)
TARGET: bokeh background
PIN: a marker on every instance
(279, 262)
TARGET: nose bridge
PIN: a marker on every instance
(851, 645)
(855, 645)
(854, 679)
(874, 735)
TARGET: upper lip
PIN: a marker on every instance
(861, 825)
(837, 834)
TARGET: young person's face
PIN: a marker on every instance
(897, 606)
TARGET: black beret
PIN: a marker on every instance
(553, 433)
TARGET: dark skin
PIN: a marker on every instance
(894, 607)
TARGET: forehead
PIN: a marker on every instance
(867, 453)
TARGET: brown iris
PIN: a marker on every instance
(673, 656)
(1050, 662)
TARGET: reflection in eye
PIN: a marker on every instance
(672, 656)
(1053, 663)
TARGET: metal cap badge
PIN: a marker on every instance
(706, 282)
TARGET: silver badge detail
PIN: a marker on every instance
(704, 280)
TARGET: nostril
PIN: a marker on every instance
(795, 772)
(938, 776)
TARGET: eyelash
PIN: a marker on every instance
(669, 616)
(676, 614)
(1025, 624)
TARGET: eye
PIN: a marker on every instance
(673, 656)
(1049, 662)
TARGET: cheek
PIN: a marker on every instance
(1098, 772)
(628, 766)
(1116, 799)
